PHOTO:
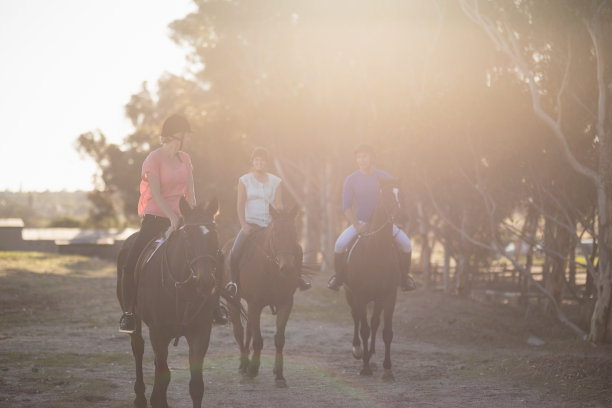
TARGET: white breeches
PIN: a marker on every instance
(343, 241)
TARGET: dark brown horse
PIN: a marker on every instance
(176, 297)
(268, 277)
(373, 275)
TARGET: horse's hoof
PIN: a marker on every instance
(366, 372)
(281, 383)
(246, 380)
(140, 402)
(252, 373)
(357, 352)
(388, 376)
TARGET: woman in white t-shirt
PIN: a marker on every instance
(256, 191)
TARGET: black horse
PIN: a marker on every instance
(268, 277)
(373, 275)
(176, 296)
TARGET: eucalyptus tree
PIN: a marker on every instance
(559, 51)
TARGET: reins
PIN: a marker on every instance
(388, 220)
(178, 284)
(271, 258)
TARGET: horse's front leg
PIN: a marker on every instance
(389, 308)
(160, 345)
(138, 351)
(357, 351)
(254, 323)
(365, 334)
(374, 324)
(282, 317)
(234, 314)
(198, 345)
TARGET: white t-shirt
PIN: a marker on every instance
(259, 196)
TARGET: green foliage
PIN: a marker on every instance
(65, 222)
(38, 209)
(310, 80)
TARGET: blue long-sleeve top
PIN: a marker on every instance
(362, 190)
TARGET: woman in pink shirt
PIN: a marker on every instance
(166, 177)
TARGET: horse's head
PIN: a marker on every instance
(199, 237)
(282, 240)
(391, 199)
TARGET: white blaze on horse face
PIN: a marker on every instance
(396, 194)
(204, 229)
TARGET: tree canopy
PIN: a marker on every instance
(473, 104)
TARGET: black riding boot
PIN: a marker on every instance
(127, 322)
(407, 283)
(336, 281)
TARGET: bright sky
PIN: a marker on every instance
(68, 67)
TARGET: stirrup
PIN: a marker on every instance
(232, 288)
(303, 283)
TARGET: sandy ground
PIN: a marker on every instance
(59, 347)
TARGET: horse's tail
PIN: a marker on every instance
(228, 299)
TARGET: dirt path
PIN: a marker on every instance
(59, 348)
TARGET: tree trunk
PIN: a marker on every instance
(571, 279)
(530, 229)
(329, 232)
(425, 247)
(312, 216)
(462, 278)
(446, 270)
(555, 279)
(548, 243)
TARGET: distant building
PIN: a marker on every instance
(101, 243)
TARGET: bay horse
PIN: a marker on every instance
(176, 296)
(373, 275)
(268, 277)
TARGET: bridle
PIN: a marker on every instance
(272, 255)
(189, 266)
(190, 262)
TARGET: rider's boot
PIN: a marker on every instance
(303, 284)
(407, 283)
(336, 281)
(127, 322)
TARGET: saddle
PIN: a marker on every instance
(353, 244)
(147, 253)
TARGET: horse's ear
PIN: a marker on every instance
(213, 207)
(184, 207)
(273, 212)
